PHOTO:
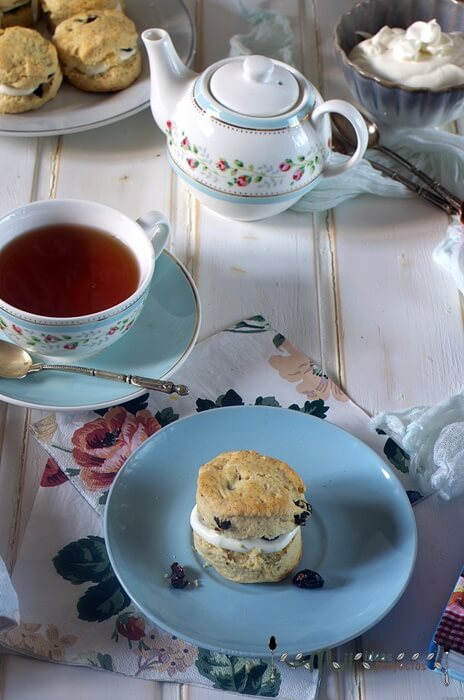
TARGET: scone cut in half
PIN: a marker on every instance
(30, 74)
(248, 516)
(57, 11)
(23, 13)
(98, 50)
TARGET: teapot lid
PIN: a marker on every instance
(255, 86)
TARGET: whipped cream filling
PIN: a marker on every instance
(99, 68)
(421, 56)
(218, 540)
(17, 92)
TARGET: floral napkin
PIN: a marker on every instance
(63, 576)
(249, 363)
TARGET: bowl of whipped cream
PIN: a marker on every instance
(404, 61)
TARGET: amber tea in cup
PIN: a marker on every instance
(64, 270)
(75, 275)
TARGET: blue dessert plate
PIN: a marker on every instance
(361, 537)
(159, 342)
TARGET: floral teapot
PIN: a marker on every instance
(250, 135)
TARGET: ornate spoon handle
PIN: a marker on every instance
(143, 382)
(430, 196)
(433, 184)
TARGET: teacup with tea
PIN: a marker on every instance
(74, 275)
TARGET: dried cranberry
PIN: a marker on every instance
(223, 524)
(177, 571)
(308, 579)
(178, 577)
(301, 518)
(179, 582)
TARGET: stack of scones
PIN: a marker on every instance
(248, 516)
(93, 43)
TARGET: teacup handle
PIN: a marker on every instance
(157, 228)
(358, 124)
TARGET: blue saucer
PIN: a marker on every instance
(158, 344)
(361, 537)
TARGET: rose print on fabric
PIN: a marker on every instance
(295, 366)
(130, 625)
(52, 474)
(156, 650)
(101, 446)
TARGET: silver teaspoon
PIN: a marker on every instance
(16, 363)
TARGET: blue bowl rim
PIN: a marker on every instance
(383, 81)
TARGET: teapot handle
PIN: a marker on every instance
(358, 124)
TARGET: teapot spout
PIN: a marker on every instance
(169, 77)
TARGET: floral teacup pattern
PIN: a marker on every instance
(68, 342)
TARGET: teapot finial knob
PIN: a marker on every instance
(258, 68)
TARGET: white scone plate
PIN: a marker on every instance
(361, 537)
(74, 110)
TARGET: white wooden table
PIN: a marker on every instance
(355, 288)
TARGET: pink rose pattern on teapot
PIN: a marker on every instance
(234, 176)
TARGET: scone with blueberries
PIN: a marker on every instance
(57, 11)
(98, 50)
(22, 13)
(30, 74)
(248, 516)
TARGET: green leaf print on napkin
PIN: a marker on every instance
(103, 601)
(87, 560)
(230, 398)
(267, 401)
(247, 676)
(397, 456)
(254, 324)
(84, 560)
(99, 660)
(314, 408)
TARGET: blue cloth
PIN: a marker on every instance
(9, 606)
